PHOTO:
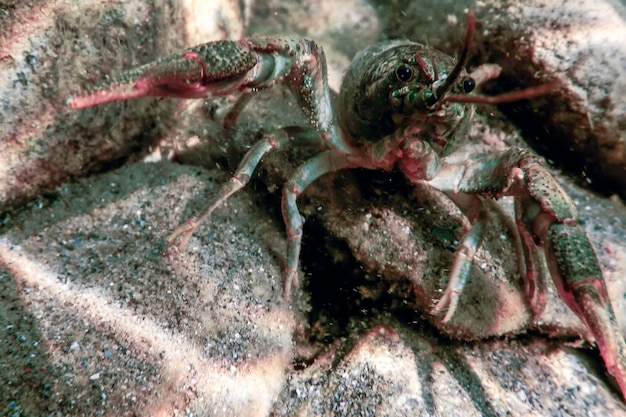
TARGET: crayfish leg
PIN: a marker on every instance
(303, 176)
(239, 180)
(546, 213)
(473, 207)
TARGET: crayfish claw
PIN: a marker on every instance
(578, 278)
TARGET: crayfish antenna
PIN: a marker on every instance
(442, 90)
(525, 94)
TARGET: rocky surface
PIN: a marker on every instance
(52, 49)
(101, 317)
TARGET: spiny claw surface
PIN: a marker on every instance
(578, 278)
(214, 68)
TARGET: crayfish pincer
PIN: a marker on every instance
(402, 106)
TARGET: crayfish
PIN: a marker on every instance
(402, 105)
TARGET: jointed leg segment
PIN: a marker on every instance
(463, 258)
(546, 217)
(305, 175)
(239, 180)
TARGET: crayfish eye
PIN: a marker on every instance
(469, 85)
(404, 73)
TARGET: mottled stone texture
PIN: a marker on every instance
(49, 50)
(583, 127)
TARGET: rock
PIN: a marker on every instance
(583, 126)
(201, 329)
(393, 371)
